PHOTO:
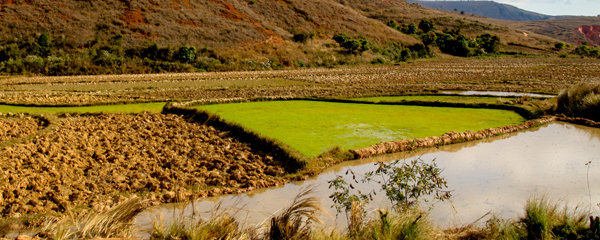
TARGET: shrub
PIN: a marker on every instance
(411, 29)
(302, 37)
(341, 38)
(491, 44)
(377, 61)
(44, 40)
(426, 25)
(429, 38)
(559, 46)
(186, 54)
(404, 183)
(351, 44)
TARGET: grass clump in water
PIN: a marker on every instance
(580, 101)
(221, 225)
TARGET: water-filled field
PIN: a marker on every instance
(312, 127)
(496, 174)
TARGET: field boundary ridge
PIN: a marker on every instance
(445, 139)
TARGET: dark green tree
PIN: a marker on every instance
(44, 40)
(429, 38)
(426, 25)
(559, 45)
(340, 38)
(491, 44)
(186, 54)
(352, 45)
(412, 29)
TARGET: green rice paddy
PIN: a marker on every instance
(122, 108)
(312, 127)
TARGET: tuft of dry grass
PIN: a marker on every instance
(221, 225)
(116, 222)
(582, 100)
(295, 221)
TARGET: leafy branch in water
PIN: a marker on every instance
(404, 184)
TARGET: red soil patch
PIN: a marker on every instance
(182, 2)
(189, 23)
(134, 17)
(591, 33)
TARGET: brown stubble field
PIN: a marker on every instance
(93, 161)
(541, 75)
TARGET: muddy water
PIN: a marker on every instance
(496, 174)
(499, 94)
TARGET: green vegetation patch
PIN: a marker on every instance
(432, 98)
(312, 127)
(122, 108)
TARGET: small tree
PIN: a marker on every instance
(491, 44)
(301, 37)
(186, 54)
(404, 184)
(352, 45)
(340, 38)
(429, 38)
(44, 40)
(559, 45)
(412, 29)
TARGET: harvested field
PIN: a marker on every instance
(119, 108)
(540, 75)
(96, 160)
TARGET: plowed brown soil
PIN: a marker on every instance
(12, 128)
(93, 160)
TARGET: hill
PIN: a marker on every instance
(572, 30)
(488, 9)
(140, 36)
(469, 25)
(207, 23)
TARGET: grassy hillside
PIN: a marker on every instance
(206, 23)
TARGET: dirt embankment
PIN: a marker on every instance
(580, 121)
(93, 160)
(447, 138)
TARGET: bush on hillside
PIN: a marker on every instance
(426, 25)
(585, 50)
(353, 45)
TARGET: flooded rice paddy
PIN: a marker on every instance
(499, 94)
(496, 174)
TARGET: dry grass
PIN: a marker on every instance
(220, 225)
(295, 221)
(114, 223)
(580, 101)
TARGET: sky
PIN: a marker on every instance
(558, 7)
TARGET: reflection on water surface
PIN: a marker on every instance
(496, 174)
(499, 94)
